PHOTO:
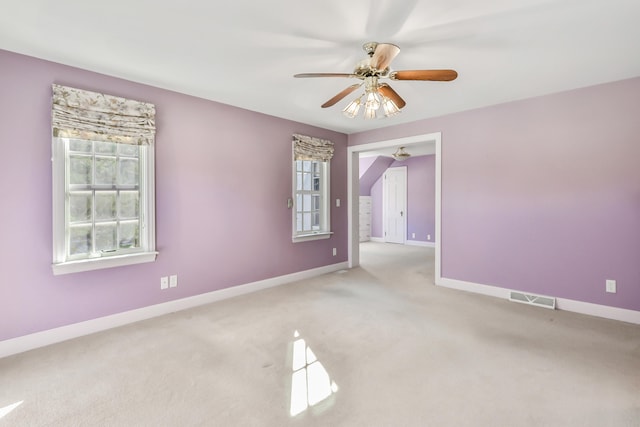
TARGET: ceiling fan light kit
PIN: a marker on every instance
(377, 94)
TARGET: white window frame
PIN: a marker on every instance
(325, 206)
(147, 250)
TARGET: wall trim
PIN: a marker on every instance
(423, 243)
(52, 336)
(607, 312)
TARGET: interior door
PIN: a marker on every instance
(395, 205)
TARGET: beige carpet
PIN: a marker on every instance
(382, 347)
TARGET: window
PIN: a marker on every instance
(311, 198)
(311, 218)
(103, 204)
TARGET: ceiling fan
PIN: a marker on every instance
(370, 70)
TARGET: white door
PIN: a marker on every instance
(395, 205)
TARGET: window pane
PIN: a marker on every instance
(105, 170)
(299, 222)
(106, 236)
(128, 150)
(306, 166)
(299, 206)
(80, 145)
(298, 165)
(80, 206)
(80, 170)
(316, 184)
(129, 234)
(307, 202)
(128, 171)
(105, 205)
(306, 221)
(316, 203)
(129, 204)
(299, 181)
(306, 182)
(105, 147)
(315, 222)
(79, 239)
(316, 168)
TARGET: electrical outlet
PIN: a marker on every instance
(164, 282)
(413, 235)
(335, 251)
(173, 281)
(337, 203)
(428, 236)
(610, 286)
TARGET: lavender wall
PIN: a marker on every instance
(374, 169)
(542, 195)
(221, 192)
(421, 196)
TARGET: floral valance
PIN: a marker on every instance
(310, 148)
(78, 113)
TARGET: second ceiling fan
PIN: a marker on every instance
(370, 70)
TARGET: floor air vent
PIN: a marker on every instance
(531, 299)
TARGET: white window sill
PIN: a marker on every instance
(311, 236)
(105, 262)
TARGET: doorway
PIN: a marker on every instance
(353, 155)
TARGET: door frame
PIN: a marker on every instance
(385, 204)
(353, 191)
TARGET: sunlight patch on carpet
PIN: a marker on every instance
(7, 409)
(310, 381)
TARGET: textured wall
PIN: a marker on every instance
(543, 194)
(223, 176)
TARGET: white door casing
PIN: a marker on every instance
(353, 190)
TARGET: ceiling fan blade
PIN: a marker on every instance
(341, 95)
(434, 75)
(383, 55)
(386, 90)
(324, 75)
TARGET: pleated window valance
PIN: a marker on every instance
(310, 148)
(81, 114)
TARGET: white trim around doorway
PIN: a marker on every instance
(353, 179)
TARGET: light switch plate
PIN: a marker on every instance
(173, 281)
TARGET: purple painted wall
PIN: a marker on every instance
(221, 192)
(364, 164)
(542, 195)
(373, 172)
(421, 196)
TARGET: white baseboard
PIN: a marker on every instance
(64, 333)
(607, 312)
(420, 243)
(377, 239)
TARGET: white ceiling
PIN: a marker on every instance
(245, 52)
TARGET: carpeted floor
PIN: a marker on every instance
(378, 345)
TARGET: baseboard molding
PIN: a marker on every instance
(52, 336)
(377, 239)
(420, 243)
(607, 312)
